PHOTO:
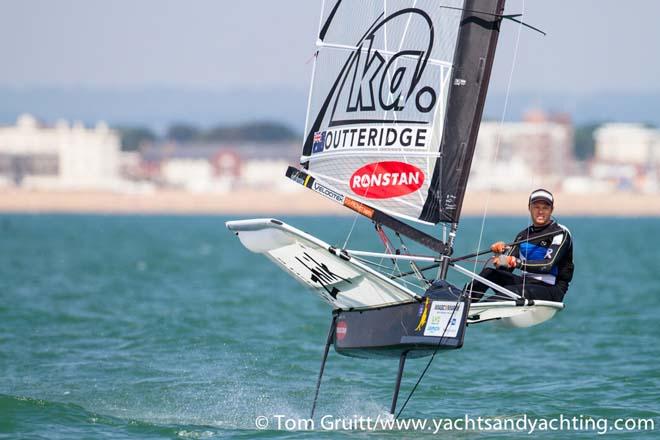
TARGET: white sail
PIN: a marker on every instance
(379, 97)
(396, 101)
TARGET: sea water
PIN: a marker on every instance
(166, 327)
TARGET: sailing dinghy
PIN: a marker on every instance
(396, 100)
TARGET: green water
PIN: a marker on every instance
(166, 327)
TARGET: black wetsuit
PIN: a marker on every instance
(547, 265)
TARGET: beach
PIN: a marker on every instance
(300, 202)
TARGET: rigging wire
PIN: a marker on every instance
(388, 271)
(483, 221)
(499, 136)
(350, 232)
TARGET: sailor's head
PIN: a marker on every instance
(541, 204)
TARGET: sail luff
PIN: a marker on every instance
(314, 62)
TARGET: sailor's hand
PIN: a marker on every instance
(503, 261)
(498, 247)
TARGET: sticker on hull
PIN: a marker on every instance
(444, 319)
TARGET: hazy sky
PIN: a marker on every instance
(591, 46)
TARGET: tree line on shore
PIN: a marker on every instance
(133, 137)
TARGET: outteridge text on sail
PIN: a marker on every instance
(407, 137)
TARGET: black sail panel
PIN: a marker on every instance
(473, 62)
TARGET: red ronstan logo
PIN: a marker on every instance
(384, 180)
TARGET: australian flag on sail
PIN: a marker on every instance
(319, 142)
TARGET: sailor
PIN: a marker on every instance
(544, 256)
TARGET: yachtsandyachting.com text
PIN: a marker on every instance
(522, 424)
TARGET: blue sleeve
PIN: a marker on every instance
(543, 260)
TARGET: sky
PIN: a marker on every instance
(592, 48)
(591, 45)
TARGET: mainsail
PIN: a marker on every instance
(396, 101)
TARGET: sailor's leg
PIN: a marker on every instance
(397, 386)
(328, 342)
(497, 276)
(539, 291)
(478, 288)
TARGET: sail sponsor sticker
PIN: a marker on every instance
(341, 330)
(384, 180)
(358, 207)
(327, 192)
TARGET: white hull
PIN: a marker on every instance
(508, 314)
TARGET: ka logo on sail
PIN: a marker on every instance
(372, 83)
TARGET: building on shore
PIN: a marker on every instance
(509, 156)
(514, 156)
(627, 157)
(62, 156)
(212, 167)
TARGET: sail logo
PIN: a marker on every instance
(323, 190)
(384, 180)
(376, 84)
(380, 86)
(376, 79)
(402, 137)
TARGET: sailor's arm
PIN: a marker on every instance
(514, 252)
(501, 259)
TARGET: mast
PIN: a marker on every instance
(473, 62)
(445, 258)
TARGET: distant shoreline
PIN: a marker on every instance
(301, 202)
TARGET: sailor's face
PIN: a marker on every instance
(540, 212)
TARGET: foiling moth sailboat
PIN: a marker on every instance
(395, 104)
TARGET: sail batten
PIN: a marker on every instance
(383, 52)
(381, 112)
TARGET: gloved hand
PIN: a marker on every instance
(498, 247)
(504, 261)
